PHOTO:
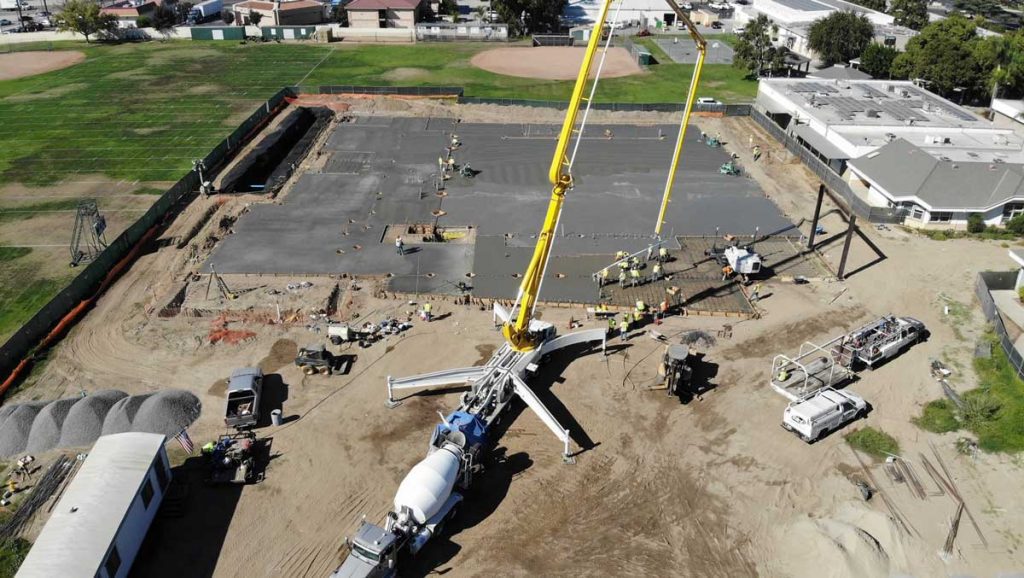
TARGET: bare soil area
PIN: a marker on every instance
(552, 62)
(710, 488)
(21, 64)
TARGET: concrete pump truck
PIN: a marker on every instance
(430, 494)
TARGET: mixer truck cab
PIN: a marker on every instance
(373, 554)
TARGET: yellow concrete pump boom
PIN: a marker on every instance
(691, 95)
(517, 329)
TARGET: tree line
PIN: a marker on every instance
(948, 56)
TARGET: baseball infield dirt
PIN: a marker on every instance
(20, 64)
(552, 62)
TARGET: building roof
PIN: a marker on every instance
(1011, 108)
(839, 72)
(382, 4)
(128, 9)
(75, 540)
(285, 6)
(819, 142)
(907, 172)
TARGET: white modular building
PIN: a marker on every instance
(97, 527)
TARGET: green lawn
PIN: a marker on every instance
(994, 411)
(144, 111)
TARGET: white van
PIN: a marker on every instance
(824, 411)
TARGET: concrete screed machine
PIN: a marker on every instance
(430, 493)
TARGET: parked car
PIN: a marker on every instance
(826, 410)
(717, 25)
(738, 30)
(707, 100)
(5, 22)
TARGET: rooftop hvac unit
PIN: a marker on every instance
(889, 137)
(998, 160)
(904, 93)
(871, 113)
(945, 158)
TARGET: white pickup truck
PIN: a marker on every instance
(826, 410)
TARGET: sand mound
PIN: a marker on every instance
(846, 550)
(552, 62)
(167, 412)
(119, 418)
(84, 422)
(46, 428)
(16, 428)
(19, 64)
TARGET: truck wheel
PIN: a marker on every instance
(308, 369)
(324, 370)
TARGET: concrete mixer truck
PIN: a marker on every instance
(426, 499)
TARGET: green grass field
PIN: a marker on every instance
(139, 113)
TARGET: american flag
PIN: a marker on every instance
(185, 441)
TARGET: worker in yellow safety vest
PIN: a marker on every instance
(622, 278)
(634, 277)
(604, 277)
(656, 273)
(641, 309)
(427, 310)
(624, 327)
(662, 254)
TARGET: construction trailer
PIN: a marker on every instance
(99, 523)
(813, 368)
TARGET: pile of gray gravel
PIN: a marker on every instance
(73, 422)
(47, 426)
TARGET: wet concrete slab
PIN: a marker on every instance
(381, 172)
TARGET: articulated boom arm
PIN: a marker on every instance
(691, 95)
(517, 331)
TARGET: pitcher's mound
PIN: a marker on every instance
(553, 62)
(19, 64)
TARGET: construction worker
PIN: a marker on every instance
(612, 324)
(656, 272)
(703, 136)
(662, 254)
(400, 245)
(620, 255)
(757, 152)
(783, 374)
(604, 277)
(624, 327)
(622, 278)
(624, 264)
(650, 252)
(726, 273)
(456, 143)
(663, 308)
(634, 277)
(755, 295)
(427, 312)
(641, 310)
(634, 262)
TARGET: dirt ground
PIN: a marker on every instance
(710, 488)
(20, 64)
(552, 62)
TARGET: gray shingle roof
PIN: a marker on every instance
(905, 171)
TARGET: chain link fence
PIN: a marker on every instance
(987, 282)
(92, 277)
